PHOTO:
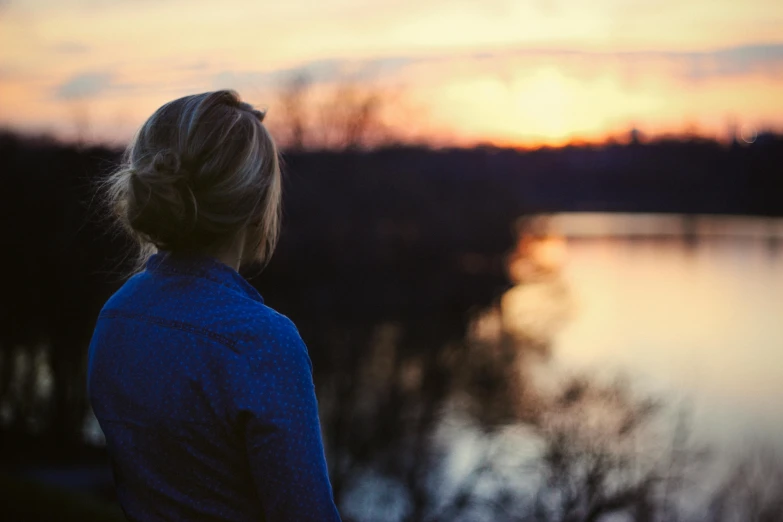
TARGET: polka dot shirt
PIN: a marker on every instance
(206, 398)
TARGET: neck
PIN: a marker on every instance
(230, 260)
(232, 256)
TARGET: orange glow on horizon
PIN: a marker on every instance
(508, 74)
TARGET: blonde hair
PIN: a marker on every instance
(200, 170)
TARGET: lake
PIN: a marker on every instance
(690, 309)
(686, 309)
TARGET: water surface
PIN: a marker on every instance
(691, 309)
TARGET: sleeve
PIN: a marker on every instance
(278, 414)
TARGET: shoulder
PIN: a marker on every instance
(268, 334)
(260, 322)
(275, 362)
(248, 326)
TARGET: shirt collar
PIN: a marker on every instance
(201, 265)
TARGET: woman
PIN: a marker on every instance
(204, 393)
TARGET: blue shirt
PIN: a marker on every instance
(206, 398)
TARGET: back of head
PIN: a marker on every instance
(201, 169)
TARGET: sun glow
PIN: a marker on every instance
(463, 73)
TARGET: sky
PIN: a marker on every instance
(508, 72)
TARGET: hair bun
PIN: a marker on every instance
(167, 161)
(165, 206)
(258, 114)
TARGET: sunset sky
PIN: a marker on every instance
(511, 72)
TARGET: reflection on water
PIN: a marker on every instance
(655, 226)
(521, 416)
(539, 303)
(689, 307)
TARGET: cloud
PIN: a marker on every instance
(70, 48)
(737, 61)
(702, 65)
(684, 66)
(687, 66)
(84, 86)
(320, 71)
